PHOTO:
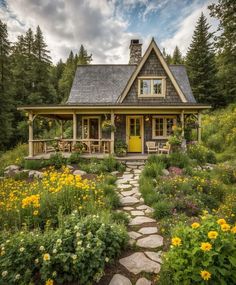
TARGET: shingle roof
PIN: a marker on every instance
(180, 74)
(105, 83)
(99, 83)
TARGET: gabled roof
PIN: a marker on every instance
(99, 83)
(109, 84)
(152, 46)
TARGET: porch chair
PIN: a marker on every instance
(95, 146)
(151, 147)
(164, 149)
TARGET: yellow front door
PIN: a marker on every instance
(134, 127)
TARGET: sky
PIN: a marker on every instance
(105, 27)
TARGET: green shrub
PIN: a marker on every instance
(201, 153)
(226, 173)
(162, 209)
(179, 159)
(13, 156)
(111, 164)
(74, 158)
(153, 169)
(203, 253)
(120, 218)
(75, 252)
(34, 164)
(57, 160)
(162, 159)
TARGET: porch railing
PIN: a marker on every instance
(42, 146)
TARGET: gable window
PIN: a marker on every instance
(151, 87)
(162, 126)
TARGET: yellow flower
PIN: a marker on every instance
(176, 241)
(206, 246)
(221, 221)
(205, 275)
(195, 225)
(225, 227)
(35, 213)
(233, 230)
(49, 282)
(46, 257)
(212, 234)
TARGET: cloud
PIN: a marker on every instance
(183, 36)
(68, 24)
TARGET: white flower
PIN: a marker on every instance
(36, 261)
(4, 273)
(54, 274)
(76, 228)
(17, 277)
(54, 251)
(41, 248)
(74, 256)
(79, 242)
(22, 249)
(78, 234)
(7, 241)
(88, 245)
(106, 259)
(59, 241)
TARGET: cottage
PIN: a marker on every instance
(136, 103)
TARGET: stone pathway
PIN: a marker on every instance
(142, 230)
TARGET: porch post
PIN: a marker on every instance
(61, 126)
(74, 128)
(112, 133)
(31, 135)
(182, 123)
(199, 127)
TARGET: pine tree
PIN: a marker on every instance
(83, 57)
(166, 56)
(5, 91)
(200, 62)
(225, 11)
(40, 47)
(177, 56)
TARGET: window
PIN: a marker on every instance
(152, 87)
(162, 126)
(91, 128)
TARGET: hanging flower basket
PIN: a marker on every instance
(107, 126)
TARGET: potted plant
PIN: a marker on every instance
(121, 148)
(175, 140)
(107, 126)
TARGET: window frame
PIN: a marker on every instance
(165, 136)
(99, 126)
(152, 78)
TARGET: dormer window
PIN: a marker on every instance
(151, 87)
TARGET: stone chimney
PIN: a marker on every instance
(135, 51)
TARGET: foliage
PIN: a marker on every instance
(13, 156)
(226, 173)
(202, 252)
(177, 57)
(39, 202)
(179, 159)
(200, 63)
(120, 147)
(201, 153)
(57, 160)
(224, 11)
(5, 89)
(74, 157)
(96, 166)
(219, 132)
(107, 126)
(35, 164)
(75, 252)
(162, 208)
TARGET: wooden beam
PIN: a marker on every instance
(74, 128)
(182, 123)
(61, 127)
(31, 135)
(112, 133)
(199, 135)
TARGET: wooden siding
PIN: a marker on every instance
(152, 67)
